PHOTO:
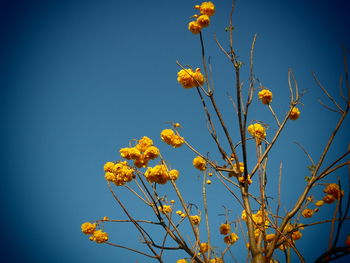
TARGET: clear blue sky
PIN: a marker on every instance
(79, 79)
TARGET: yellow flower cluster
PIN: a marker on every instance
(181, 261)
(142, 153)
(180, 213)
(99, 236)
(88, 228)
(265, 96)
(119, 173)
(166, 209)
(307, 213)
(189, 78)
(169, 137)
(295, 113)
(199, 163)
(231, 239)
(216, 260)
(195, 219)
(241, 179)
(204, 247)
(257, 131)
(241, 167)
(225, 229)
(334, 190)
(96, 235)
(206, 9)
(160, 175)
(257, 218)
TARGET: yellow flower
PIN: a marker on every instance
(319, 203)
(333, 189)
(142, 161)
(203, 20)
(244, 215)
(257, 131)
(169, 137)
(270, 237)
(328, 199)
(216, 260)
(206, 8)
(241, 179)
(195, 219)
(204, 247)
(99, 236)
(166, 209)
(151, 153)
(173, 174)
(265, 96)
(199, 163)
(189, 78)
(307, 213)
(294, 114)
(208, 182)
(296, 235)
(110, 177)
(241, 167)
(144, 143)
(88, 228)
(157, 174)
(181, 261)
(231, 239)
(225, 229)
(108, 167)
(194, 27)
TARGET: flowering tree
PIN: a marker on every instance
(267, 231)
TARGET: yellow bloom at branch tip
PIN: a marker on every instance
(170, 138)
(151, 153)
(295, 113)
(206, 8)
(166, 209)
(173, 174)
(296, 235)
(265, 96)
(241, 179)
(208, 182)
(307, 213)
(257, 131)
(319, 203)
(203, 21)
(172, 201)
(157, 174)
(99, 236)
(328, 199)
(189, 78)
(195, 219)
(181, 260)
(225, 229)
(144, 143)
(88, 228)
(333, 189)
(194, 27)
(231, 239)
(108, 167)
(204, 247)
(179, 212)
(216, 260)
(199, 163)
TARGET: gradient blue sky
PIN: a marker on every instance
(79, 79)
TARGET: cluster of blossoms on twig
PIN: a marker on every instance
(206, 9)
(98, 236)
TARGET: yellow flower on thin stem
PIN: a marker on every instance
(195, 219)
(307, 213)
(194, 27)
(225, 229)
(88, 228)
(257, 131)
(295, 113)
(231, 239)
(203, 20)
(265, 96)
(206, 8)
(99, 236)
(199, 163)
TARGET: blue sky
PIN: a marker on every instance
(80, 79)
